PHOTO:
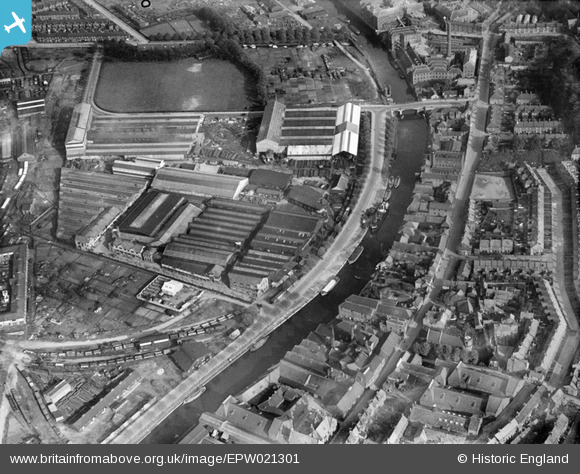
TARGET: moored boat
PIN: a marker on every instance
(198, 392)
(377, 221)
(387, 195)
(397, 182)
(329, 286)
(259, 344)
(356, 254)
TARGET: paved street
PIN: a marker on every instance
(138, 37)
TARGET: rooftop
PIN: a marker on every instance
(193, 182)
(270, 179)
(84, 195)
(150, 212)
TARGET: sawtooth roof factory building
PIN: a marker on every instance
(168, 135)
(90, 202)
(309, 137)
(282, 237)
(213, 239)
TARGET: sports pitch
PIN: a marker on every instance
(210, 85)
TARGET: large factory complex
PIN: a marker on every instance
(193, 223)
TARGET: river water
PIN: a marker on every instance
(411, 146)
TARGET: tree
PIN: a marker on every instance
(281, 35)
(470, 357)
(248, 37)
(299, 34)
(315, 35)
(438, 348)
(426, 348)
(416, 348)
(492, 144)
(456, 354)
(518, 143)
(447, 351)
(257, 33)
(534, 142)
(266, 35)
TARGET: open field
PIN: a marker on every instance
(171, 87)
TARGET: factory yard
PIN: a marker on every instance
(177, 86)
(229, 138)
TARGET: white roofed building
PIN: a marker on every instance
(29, 107)
(347, 129)
(76, 139)
(172, 287)
(310, 137)
(269, 134)
(139, 167)
(5, 146)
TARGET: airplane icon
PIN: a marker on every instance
(17, 22)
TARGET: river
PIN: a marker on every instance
(411, 146)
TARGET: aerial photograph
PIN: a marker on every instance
(290, 222)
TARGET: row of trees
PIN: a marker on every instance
(288, 35)
(123, 51)
(364, 142)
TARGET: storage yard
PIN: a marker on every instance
(310, 75)
(228, 139)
